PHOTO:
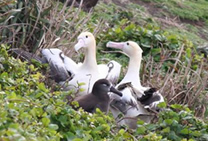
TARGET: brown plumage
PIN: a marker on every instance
(98, 98)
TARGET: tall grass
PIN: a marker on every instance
(182, 83)
(33, 25)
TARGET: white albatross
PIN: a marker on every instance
(86, 73)
(131, 104)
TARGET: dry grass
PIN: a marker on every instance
(180, 84)
(53, 25)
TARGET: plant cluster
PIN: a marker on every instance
(175, 123)
(31, 111)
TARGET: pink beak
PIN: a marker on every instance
(79, 44)
(118, 45)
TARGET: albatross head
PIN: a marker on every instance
(85, 40)
(130, 48)
(103, 86)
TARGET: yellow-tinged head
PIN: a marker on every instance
(130, 48)
(85, 40)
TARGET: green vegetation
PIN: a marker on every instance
(180, 14)
(187, 9)
(33, 110)
(176, 124)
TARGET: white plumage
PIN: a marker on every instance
(87, 72)
(132, 108)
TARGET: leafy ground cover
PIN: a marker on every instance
(33, 110)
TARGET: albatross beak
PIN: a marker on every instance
(79, 45)
(112, 89)
(115, 45)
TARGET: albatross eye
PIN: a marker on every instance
(104, 84)
(86, 36)
(127, 43)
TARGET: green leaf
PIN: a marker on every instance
(188, 52)
(168, 121)
(185, 131)
(162, 105)
(151, 127)
(42, 87)
(100, 119)
(158, 37)
(121, 131)
(146, 45)
(176, 106)
(140, 122)
(38, 94)
(141, 129)
(173, 136)
(188, 117)
(196, 133)
(69, 135)
(75, 104)
(155, 51)
(118, 30)
(166, 130)
(81, 89)
(53, 126)
(77, 139)
(81, 83)
(45, 121)
(12, 96)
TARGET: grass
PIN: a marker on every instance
(182, 33)
(185, 9)
(47, 24)
(182, 83)
(191, 10)
(183, 17)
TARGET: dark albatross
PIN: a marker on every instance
(98, 98)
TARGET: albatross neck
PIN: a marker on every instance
(133, 70)
(90, 61)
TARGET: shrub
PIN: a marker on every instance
(31, 111)
(176, 123)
